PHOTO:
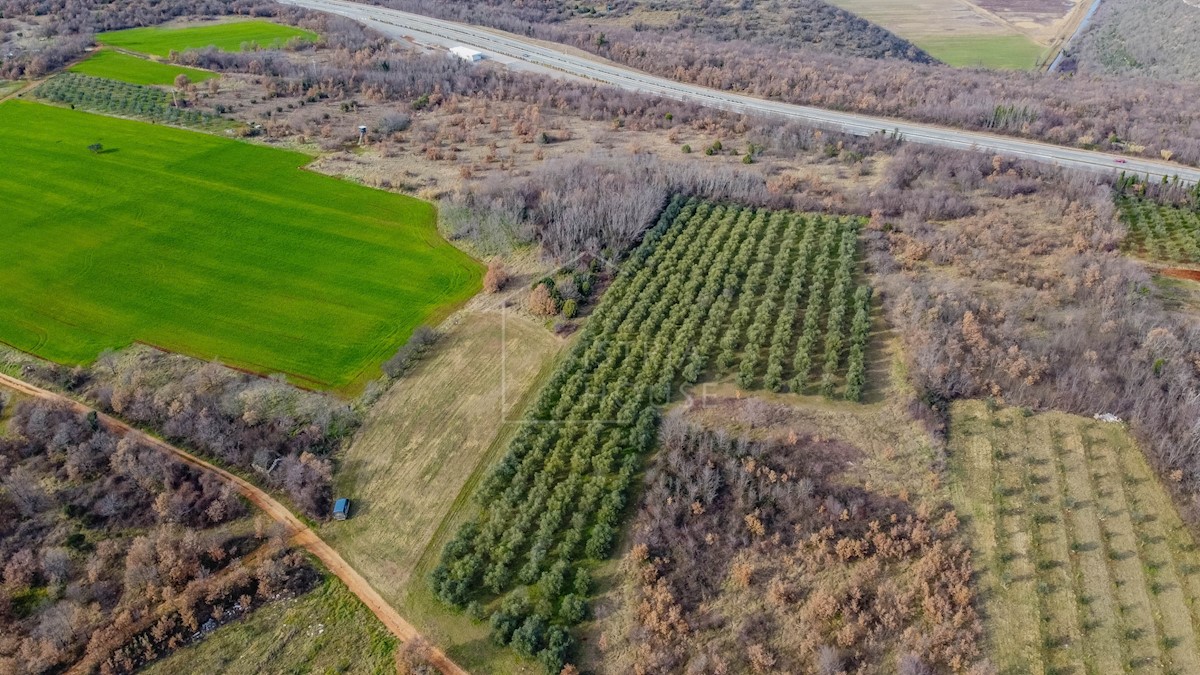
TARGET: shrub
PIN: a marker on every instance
(511, 616)
(558, 647)
(573, 610)
(541, 301)
(530, 638)
(393, 123)
(407, 355)
(496, 277)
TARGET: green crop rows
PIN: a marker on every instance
(1161, 231)
(711, 289)
(121, 98)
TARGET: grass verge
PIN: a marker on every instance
(414, 464)
(326, 630)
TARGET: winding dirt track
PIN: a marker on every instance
(301, 534)
(17, 92)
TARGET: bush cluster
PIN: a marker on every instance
(121, 98)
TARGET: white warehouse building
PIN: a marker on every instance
(466, 53)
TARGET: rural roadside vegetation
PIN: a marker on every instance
(1087, 110)
(326, 628)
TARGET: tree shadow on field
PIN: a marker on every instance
(108, 151)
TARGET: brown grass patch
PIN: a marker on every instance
(426, 436)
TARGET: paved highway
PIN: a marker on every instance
(522, 52)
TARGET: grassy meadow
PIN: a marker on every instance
(412, 467)
(115, 65)
(326, 630)
(227, 36)
(211, 247)
(1084, 563)
(1011, 52)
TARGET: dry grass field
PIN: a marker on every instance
(433, 434)
(990, 33)
(425, 437)
(1085, 566)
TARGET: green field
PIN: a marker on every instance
(1015, 52)
(209, 247)
(326, 630)
(119, 66)
(230, 37)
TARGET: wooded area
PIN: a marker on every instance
(764, 555)
(278, 435)
(114, 553)
(1145, 37)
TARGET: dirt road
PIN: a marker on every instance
(17, 92)
(301, 534)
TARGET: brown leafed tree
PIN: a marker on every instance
(541, 302)
(496, 277)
